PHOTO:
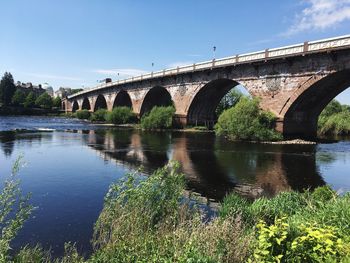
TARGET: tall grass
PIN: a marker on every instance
(14, 211)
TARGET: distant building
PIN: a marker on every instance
(48, 88)
(63, 92)
(29, 87)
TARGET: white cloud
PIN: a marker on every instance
(123, 72)
(320, 15)
(49, 76)
(179, 64)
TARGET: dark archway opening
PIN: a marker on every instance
(157, 96)
(75, 106)
(204, 106)
(86, 104)
(122, 100)
(302, 116)
(100, 103)
(63, 106)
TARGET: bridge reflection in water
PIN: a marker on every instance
(213, 167)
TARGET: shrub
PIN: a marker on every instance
(99, 115)
(158, 118)
(82, 114)
(121, 115)
(247, 121)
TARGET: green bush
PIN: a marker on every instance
(158, 118)
(246, 121)
(99, 115)
(121, 115)
(82, 114)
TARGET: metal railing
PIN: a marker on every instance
(267, 54)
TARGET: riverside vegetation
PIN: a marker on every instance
(150, 220)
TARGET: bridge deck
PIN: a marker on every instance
(324, 45)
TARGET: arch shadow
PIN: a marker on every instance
(86, 104)
(301, 118)
(122, 100)
(100, 103)
(203, 105)
(156, 96)
(75, 106)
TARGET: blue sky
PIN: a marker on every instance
(76, 43)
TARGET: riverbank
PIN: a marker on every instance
(19, 111)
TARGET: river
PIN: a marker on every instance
(69, 165)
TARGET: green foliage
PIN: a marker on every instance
(283, 204)
(158, 118)
(99, 115)
(334, 119)
(56, 102)
(7, 89)
(18, 97)
(246, 121)
(29, 100)
(229, 100)
(149, 221)
(336, 124)
(121, 115)
(332, 108)
(32, 255)
(14, 211)
(44, 101)
(82, 114)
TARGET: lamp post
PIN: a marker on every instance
(214, 49)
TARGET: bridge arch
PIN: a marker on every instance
(203, 105)
(86, 104)
(300, 119)
(100, 103)
(75, 106)
(156, 96)
(122, 100)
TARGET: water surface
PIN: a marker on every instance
(70, 164)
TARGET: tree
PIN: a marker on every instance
(19, 97)
(44, 101)
(7, 88)
(30, 100)
(229, 100)
(57, 102)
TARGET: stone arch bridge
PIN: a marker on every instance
(294, 82)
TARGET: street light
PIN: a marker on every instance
(214, 49)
